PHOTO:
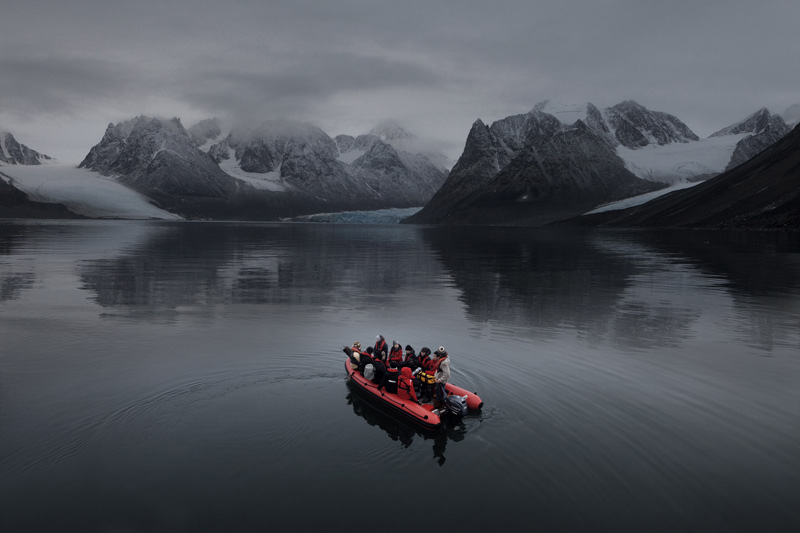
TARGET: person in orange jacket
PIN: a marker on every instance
(405, 386)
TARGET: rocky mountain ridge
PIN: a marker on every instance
(14, 153)
(555, 160)
(531, 169)
(278, 169)
(762, 129)
(159, 158)
(524, 169)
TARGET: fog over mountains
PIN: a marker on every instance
(554, 162)
(278, 169)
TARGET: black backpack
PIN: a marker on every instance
(380, 371)
(390, 383)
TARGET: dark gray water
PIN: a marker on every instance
(189, 377)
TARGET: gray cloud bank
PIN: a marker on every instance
(72, 67)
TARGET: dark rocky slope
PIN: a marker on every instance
(763, 193)
(531, 170)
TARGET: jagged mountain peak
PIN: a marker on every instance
(142, 133)
(157, 156)
(635, 126)
(755, 123)
(759, 130)
(14, 153)
(390, 130)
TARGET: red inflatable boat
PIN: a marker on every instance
(424, 415)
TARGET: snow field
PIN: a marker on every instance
(82, 191)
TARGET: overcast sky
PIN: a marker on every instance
(71, 67)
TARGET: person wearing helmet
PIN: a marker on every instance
(441, 363)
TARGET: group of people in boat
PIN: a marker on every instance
(419, 377)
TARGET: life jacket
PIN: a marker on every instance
(380, 346)
(405, 386)
(435, 366)
(425, 362)
(438, 363)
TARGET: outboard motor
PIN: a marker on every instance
(456, 405)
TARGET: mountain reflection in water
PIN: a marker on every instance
(189, 376)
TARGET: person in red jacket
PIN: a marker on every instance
(405, 386)
(396, 354)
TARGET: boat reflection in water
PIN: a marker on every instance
(452, 428)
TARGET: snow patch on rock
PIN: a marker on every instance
(641, 199)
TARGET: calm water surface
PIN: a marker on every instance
(189, 377)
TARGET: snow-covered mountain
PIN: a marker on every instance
(34, 185)
(634, 126)
(659, 147)
(280, 155)
(392, 159)
(538, 166)
(364, 171)
(159, 158)
(760, 193)
(761, 129)
(532, 169)
(14, 153)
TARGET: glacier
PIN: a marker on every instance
(82, 191)
(379, 216)
(641, 198)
